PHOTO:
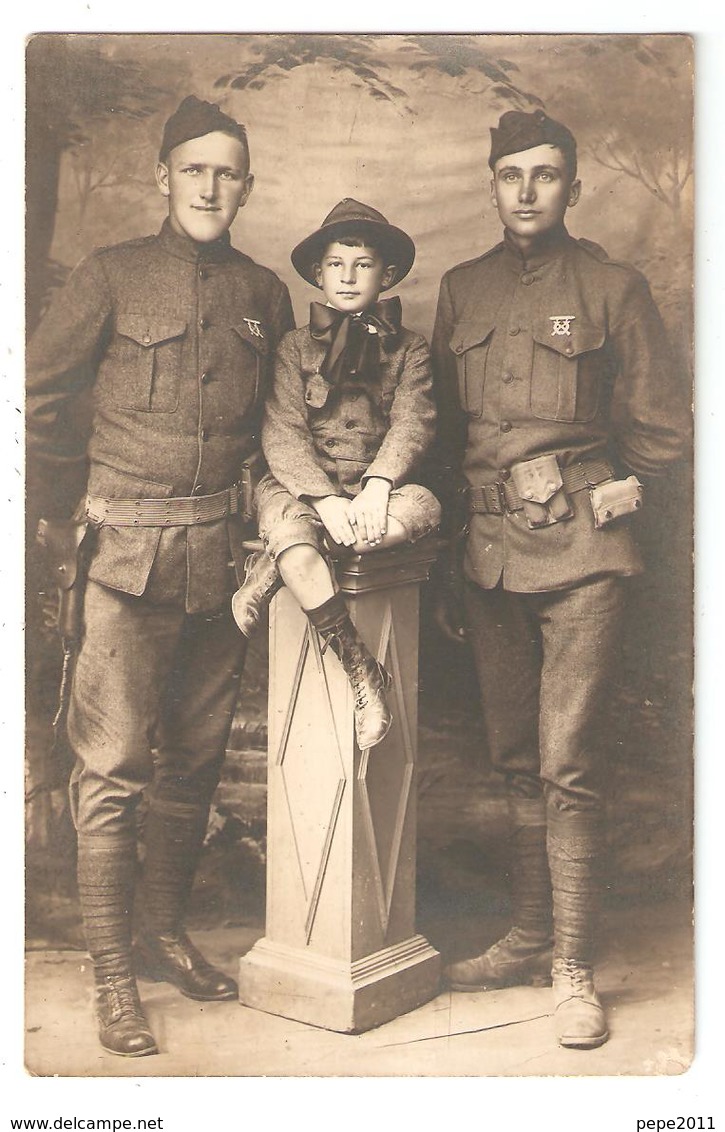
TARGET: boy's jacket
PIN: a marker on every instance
(323, 439)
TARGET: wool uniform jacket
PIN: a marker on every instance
(321, 439)
(177, 340)
(562, 353)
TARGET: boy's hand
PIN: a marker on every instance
(369, 510)
(334, 512)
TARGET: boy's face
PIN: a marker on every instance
(352, 278)
(207, 180)
(532, 191)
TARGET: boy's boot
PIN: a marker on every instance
(368, 679)
(524, 955)
(174, 836)
(575, 844)
(106, 881)
(261, 582)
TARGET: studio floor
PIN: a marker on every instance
(645, 980)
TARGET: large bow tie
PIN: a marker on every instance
(352, 340)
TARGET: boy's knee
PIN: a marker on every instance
(417, 509)
(302, 555)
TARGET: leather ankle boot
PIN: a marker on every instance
(174, 836)
(524, 955)
(368, 679)
(261, 582)
(122, 1025)
(520, 958)
(579, 1018)
(175, 959)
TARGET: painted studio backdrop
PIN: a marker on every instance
(402, 123)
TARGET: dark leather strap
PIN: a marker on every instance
(501, 496)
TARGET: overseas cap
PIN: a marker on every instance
(192, 119)
(518, 131)
(350, 217)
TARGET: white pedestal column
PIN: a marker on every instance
(340, 949)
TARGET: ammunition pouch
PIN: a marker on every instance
(540, 487)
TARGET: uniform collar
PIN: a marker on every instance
(548, 248)
(183, 247)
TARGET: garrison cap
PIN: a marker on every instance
(517, 131)
(350, 217)
(192, 119)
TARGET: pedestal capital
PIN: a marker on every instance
(381, 569)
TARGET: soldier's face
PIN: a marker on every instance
(532, 191)
(207, 181)
(352, 277)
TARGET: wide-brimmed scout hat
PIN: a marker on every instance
(350, 217)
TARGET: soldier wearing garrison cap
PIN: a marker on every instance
(176, 332)
(556, 393)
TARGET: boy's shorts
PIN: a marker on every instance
(285, 521)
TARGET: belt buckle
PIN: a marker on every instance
(585, 475)
(499, 497)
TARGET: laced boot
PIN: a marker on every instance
(520, 958)
(524, 955)
(368, 679)
(261, 582)
(579, 1018)
(123, 1028)
(174, 836)
(574, 846)
(106, 881)
(174, 959)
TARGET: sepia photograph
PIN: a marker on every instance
(359, 555)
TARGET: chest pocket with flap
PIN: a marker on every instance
(567, 370)
(148, 372)
(471, 343)
(249, 365)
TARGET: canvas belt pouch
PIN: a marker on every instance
(616, 498)
(541, 489)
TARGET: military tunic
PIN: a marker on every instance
(562, 353)
(177, 341)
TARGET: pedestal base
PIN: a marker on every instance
(329, 993)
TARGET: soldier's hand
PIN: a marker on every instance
(369, 510)
(334, 512)
(448, 616)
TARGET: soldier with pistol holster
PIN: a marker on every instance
(176, 333)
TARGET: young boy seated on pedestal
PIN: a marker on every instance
(347, 424)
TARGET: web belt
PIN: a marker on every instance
(499, 497)
(178, 511)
